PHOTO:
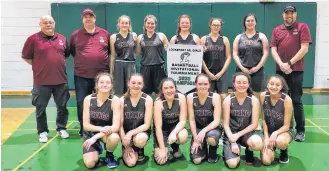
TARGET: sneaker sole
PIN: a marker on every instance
(213, 161)
(111, 167)
(282, 162)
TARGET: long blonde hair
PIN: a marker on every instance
(127, 94)
(150, 16)
(130, 24)
(99, 75)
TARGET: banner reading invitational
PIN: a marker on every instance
(184, 63)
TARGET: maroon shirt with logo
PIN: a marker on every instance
(48, 58)
(288, 42)
(90, 52)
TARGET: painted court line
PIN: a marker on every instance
(318, 127)
(318, 118)
(36, 152)
(47, 121)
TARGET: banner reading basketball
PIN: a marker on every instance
(184, 63)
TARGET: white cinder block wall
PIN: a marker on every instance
(20, 19)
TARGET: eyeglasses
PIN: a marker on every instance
(216, 25)
(46, 23)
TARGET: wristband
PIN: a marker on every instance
(289, 63)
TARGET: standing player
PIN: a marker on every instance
(152, 44)
(277, 113)
(217, 57)
(123, 54)
(241, 110)
(137, 115)
(250, 51)
(101, 117)
(204, 109)
(183, 33)
(289, 45)
(169, 121)
(46, 52)
(89, 47)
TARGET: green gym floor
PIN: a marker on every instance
(22, 151)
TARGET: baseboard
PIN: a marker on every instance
(320, 90)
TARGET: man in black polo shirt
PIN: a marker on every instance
(89, 47)
(46, 52)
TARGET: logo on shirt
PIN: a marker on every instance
(61, 42)
(295, 31)
(101, 39)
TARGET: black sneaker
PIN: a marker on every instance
(300, 137)
(284, 157)
(80, 132)
(249, 157)
(176, 151)
(141, 155)
(212, 155)
(111, 162)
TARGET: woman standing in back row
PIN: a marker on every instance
(151, 44)
(123, 54)
(217, 57)
(250, 51)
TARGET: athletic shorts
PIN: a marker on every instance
(220, 85)
(152, 77)
(227, 151)
(122, 70)
(201, 153)
(290, 132)
(257, 79)
(97, 146)
(148, 133)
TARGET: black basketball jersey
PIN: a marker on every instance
(203, 114)
(240, 115)
(125, 47)
(188, 41)
(152, 50)
(273, 114)
(250, 50)
(214, 57)
(134, 116)
(170, 116)
(103, 115)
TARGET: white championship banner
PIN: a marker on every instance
(184, 63)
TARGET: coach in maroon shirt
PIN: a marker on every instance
(289, 45)
(90, 48)
(46, 52)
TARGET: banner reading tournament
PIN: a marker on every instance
(184, 63)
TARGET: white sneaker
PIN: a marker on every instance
(43, 137)
(63, 133)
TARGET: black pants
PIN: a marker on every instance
(152, 77)
(40, 98)
(295, 84)
(83, 87)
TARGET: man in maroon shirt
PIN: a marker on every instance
(289, 45)
(89, 47)
(46, 52)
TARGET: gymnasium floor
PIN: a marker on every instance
(22, 151)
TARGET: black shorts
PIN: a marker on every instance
(257, 79)
(121, 72)
(220, 85)
(290, 132)
(148, 133)
(97, 146)
(152, 77)
(215, 133)
(227, 151)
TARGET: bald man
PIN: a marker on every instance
(46, 52)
